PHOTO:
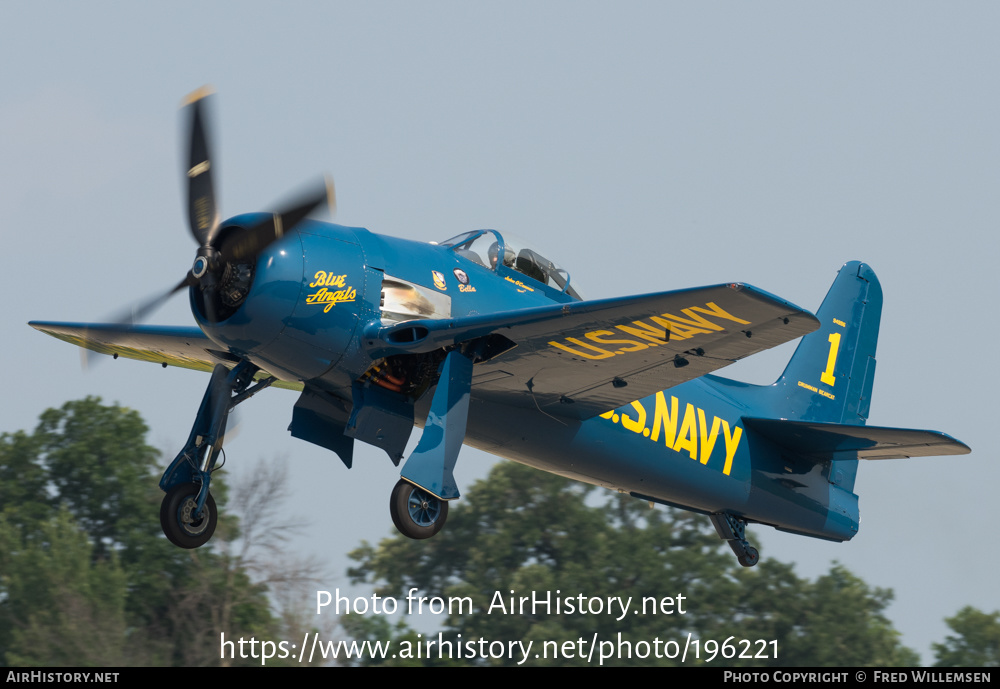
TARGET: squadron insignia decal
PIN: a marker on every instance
(439, 280)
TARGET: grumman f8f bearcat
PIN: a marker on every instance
(482, 340)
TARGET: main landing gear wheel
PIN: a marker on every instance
(415, 512)
(181, 526)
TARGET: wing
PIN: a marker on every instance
(186, 347)
(583, 358)
(823, 441)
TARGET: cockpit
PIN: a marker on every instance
(506, 254)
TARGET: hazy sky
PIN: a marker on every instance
(647, 147)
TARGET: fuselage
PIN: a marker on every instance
(316, 289)
(686, 447)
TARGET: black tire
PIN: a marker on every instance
(175, 517)
(415, 512)
(751, 558)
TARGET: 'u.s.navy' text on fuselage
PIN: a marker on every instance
(695, 436)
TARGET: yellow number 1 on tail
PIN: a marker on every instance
(831, 359)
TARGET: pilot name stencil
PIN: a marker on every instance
(521, 287)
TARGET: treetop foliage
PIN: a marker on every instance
(86, 576)
(975, 642)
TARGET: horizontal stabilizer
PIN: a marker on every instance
(834, 441)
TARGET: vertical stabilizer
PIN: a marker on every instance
(830, 376)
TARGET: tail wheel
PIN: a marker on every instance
(178, 520)
(415, 512)
(750, 558)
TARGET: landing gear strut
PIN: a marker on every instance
(733, 529)
(415, 510)
(187, 514)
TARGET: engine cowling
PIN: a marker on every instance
(295, 311)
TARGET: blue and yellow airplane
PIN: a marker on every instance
(483, 340)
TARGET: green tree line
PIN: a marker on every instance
(87, 578)
(522, 530)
